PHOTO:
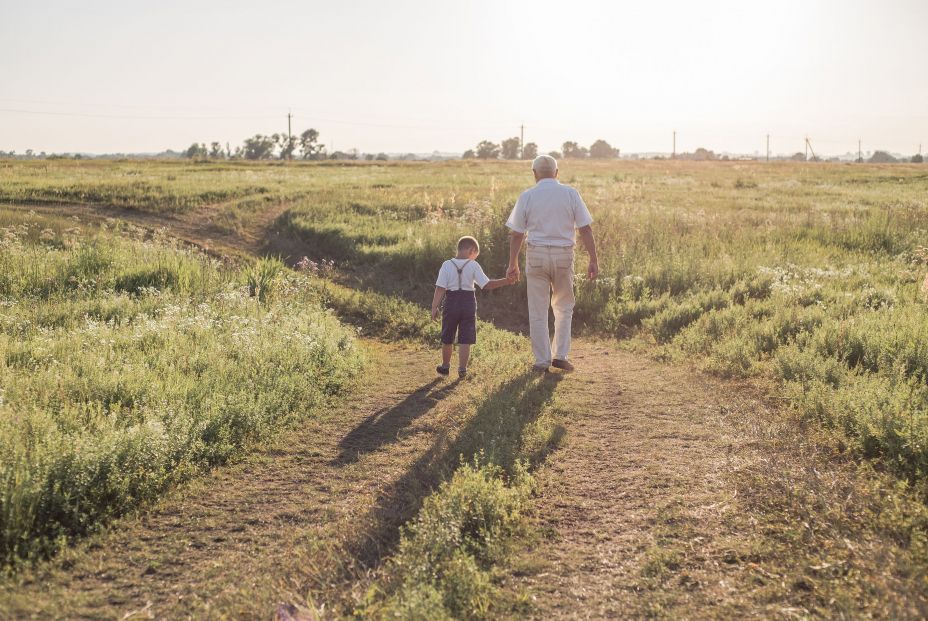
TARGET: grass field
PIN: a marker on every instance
(129, 364)
(806, 274)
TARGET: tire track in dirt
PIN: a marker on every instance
(648, 446)
(669, 500)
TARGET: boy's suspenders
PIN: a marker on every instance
(460, 272)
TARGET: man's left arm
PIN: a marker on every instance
(584, 222)
(586, 236)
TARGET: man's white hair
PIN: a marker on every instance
(544, 164)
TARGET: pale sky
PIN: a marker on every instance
(423, 75)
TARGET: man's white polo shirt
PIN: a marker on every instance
(549, 213)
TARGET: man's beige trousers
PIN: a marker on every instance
(549, 276)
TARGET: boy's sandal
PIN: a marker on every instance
(462, 372)
(442, 369)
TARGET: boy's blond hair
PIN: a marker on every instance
(467, 243)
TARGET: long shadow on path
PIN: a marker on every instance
(383, 426)
(496, 430)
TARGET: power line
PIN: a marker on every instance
(220, 118)
(445, 127)
(132, 116)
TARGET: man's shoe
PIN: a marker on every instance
(540, 368)
(563, 365)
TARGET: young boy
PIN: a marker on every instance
(456, 280)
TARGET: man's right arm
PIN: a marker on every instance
(517, 224)
(515, 247)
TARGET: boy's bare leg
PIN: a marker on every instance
(463, 356)
(446, 354)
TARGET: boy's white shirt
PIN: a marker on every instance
(471, 274)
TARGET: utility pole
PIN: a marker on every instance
(860, 156)
(768, 147)
(522, 141)
(289, 138)
(809, 148)
(673, 155)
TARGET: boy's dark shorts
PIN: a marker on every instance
(459, 316)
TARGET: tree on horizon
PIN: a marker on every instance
(572, 150)
(487, 150)
(510, 148)
(602, 149)
(310, 149)
(882, 157)
(259, 147)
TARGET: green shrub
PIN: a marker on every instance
(442, 567)
(666, 324)
(261, 278)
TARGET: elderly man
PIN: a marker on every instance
(548, 214)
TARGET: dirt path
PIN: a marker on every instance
(679, 496)
(645, 512)
(233, 544)
(201, 227)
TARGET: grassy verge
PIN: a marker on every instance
(128, 366)
(447, 556)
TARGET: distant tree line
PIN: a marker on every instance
(508, 149)
(306, 146)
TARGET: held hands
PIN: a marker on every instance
(513, 274)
